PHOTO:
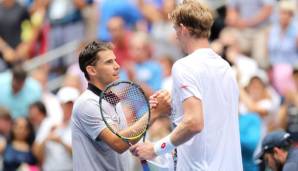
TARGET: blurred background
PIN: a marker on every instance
(40, 78)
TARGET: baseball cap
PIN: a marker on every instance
(68, 94)
(273, 139)
(287, 5)
(260, 74)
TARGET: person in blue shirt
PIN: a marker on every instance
(143, 69)
(18, 91)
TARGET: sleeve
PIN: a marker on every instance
(185, 82)
(266, 105)
(90, 118)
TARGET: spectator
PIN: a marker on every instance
(17, 151)
(257, 97)
(12, 14)
(120, 38)
(250, 135)
(66, 25)
(249, 18)
(38, 118)
(166, 63)
(127, 10)
(50, 101)
(5, 128)
(288, 113)
(277, 152)
(143, 69)
(161, 30)
(5, 123)
(18, 91)
(283, 35)
(54, 149)
(228, 46)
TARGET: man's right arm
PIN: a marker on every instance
(192, 122)
(94, 124)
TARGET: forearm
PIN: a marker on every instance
(282, 117)
(251, 104)
(260, 17)
(136, 129)
(67, 147)
(183, 132)
(3, 45)
(38, 151)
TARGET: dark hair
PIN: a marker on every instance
(285, 145)
(40, 106)
(88, 55)
(295, 70)
(5, 114)
(31, 135)
(18, 72)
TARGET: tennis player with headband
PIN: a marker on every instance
(95, 147)
(204, 99)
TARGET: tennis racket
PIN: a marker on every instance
(131, 116)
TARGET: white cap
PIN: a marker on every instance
(287, 5)
(261, 74)
(68, 94)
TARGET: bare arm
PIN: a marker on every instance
(38, 151)
(282, 116)
(2, 145)
(251, 104)
(149, 11)
(233, 19)
(192, 122)
(261, 16)
(117, 144)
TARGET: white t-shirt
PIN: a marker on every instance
(57, 158)
(207, 76)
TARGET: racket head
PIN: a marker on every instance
(130, 104)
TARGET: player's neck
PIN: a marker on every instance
(195, 44)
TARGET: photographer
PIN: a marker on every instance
(278, 153)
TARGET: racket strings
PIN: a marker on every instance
(134, 106)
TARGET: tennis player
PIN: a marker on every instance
(204, 99)
(95, 147)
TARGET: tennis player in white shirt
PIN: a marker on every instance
(204, 101)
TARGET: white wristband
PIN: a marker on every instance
(164, 146)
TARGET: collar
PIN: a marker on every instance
(109, 96)
(94, 89)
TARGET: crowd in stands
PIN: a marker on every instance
(258, 38)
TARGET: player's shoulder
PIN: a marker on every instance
(87, 98)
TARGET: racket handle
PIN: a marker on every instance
(145, 165)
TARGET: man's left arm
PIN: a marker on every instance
(262, 15)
